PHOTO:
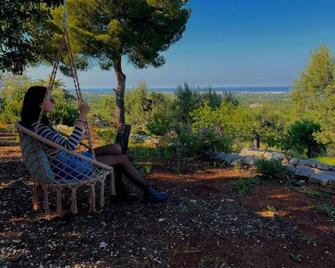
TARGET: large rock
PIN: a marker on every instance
(231, 158)
(323, 177)
(304, 171)
(249, 160)
(291, 168)
(324, 167)
(294, 161)
(308, 163)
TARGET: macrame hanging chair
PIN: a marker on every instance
(73, 170)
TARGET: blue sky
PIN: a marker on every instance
(233, 43)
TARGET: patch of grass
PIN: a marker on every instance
(296, 257)
(215, 262)
(326, 160)
(326, 209)
(312, 192)
(310, 240)
(272, 168)
(270, 208)
(243, 186)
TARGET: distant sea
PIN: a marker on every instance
(263, 89)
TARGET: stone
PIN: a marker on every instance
(291, 168)
(221, 156)
(275, 155)
(323, 166)
(230, 158)
(249, 160)
(304, 171)
(308, 163)
(294, 161)
(323, 177)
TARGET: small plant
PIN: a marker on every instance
(106, 135)
(243, 186)
(296, 257)
(147, 168)
(309, 240)
(326, 209)
(213, 261)
(237, 166)
(270, 208)
(312, 192)
(272, 168)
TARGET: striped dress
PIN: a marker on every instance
(63, 164)
(49, 133)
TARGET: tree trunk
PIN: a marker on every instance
(256, 142)
(123, 130)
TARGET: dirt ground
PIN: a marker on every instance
(205, 223)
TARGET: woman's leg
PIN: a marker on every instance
(109, 149)
(113, 149)
(128, 168)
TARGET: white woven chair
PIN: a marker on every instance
(51, 173)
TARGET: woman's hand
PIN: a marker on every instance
(84, 110)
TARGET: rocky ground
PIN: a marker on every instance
(216, 217)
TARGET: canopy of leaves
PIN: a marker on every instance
(314, 93)
(300, 138)
(21, 40)
(103, 31)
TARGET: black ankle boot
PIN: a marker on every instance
(153, 196)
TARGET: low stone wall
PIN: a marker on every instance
(314, 171)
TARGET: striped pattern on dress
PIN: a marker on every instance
(49, 133)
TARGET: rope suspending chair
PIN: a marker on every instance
(54, 173)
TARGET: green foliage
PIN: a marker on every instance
(66, 108)
(300, 138)
(326, 160)
(197, 144)
(312, 192)
(243, 186)
(272, 168)
(326, 209)
(106, 135)
(230, 98)
(313, 95)
(214, 100)
(12, 96)
(236, 124)
(21, 41)
(149, 113)
(187, 101)
(107, 30)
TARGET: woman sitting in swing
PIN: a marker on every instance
(112, 155)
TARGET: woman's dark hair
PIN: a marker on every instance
(31, 107)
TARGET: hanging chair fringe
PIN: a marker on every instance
(74, 207)
(59, 201)
(102, 190)
(92, 198)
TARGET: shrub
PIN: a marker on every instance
(65, 113)
(272, 168)
(106, 135)
(243, 186)
(198, 144)
(301, 139)
(326, 209)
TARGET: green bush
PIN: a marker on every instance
(272, 168)
(12, 96)
(106, 135)
(243, 186)
(197, 144)
(300, 139)
(65, 113)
